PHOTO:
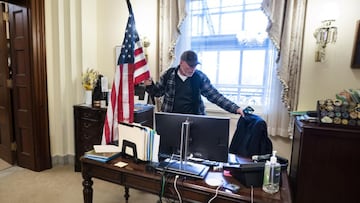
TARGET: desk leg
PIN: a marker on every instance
(87, 190)
(126, 194)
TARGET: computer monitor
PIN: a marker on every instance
(208, 135)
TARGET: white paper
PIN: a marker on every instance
(104, 84)
(156, 145)
(121, 164)
(134, 134)
(106, 148)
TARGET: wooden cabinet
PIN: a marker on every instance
(89, 122)
(325, 163)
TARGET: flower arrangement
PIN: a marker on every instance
(89, 79)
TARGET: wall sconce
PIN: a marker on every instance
(325, 34)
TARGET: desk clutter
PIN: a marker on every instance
(103, 153)
(216, 187)
(89, 123)
(343, 111)
(251, 173)
(136, 141)
(142, 144)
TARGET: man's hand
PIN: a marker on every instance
(148, 82)
(240, 111)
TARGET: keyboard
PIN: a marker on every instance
(189, 169)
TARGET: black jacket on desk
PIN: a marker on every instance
(251, 137)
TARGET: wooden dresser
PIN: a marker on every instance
(325, 163)
(89, 122)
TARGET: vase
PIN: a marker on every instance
(88, 97)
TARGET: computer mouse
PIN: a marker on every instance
(213, 181)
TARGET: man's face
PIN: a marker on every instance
(186, 70)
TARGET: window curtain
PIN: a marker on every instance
(286, 25)
(171, 17)
(274, 112)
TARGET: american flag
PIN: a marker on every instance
(132, 69)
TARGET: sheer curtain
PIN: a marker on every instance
(275, 113)
(286, 25)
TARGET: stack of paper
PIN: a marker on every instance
(106, 148)
(103, 153)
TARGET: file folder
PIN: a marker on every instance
(145, 139)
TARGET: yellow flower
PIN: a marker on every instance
(89, 79)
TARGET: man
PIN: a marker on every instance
(182, 87)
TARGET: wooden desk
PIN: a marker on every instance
(135, 176)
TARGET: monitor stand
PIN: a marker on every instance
(183, 166)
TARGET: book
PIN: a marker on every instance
(101, 156)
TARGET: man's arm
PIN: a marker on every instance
(153, 89)
(214, 96)
(157, 89)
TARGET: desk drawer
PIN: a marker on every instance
(95, 115)
(141, 183)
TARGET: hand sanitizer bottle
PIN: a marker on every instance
(272, 175)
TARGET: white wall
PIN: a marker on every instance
(112, 19)
(90, 26)
(324, 80)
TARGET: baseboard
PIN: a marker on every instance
(63, 160)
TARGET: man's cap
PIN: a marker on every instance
(190, 58)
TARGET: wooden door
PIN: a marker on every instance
(6, 130)
(22, 85)
(30, 122)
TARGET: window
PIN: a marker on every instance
(232, 44)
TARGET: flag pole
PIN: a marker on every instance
(131, 69)
(129, 5)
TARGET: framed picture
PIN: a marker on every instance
(355, 61)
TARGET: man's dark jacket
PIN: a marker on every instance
(251, 137)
